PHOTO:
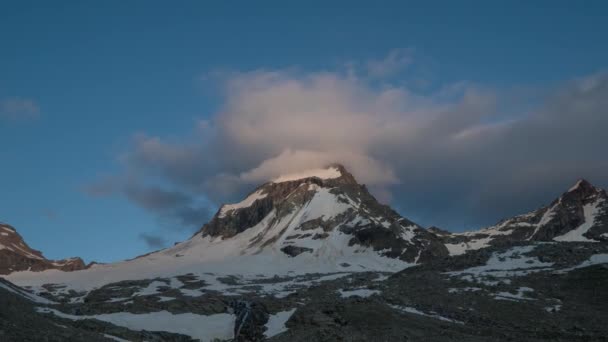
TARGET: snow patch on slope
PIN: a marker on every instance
(590, 211)
(415, 311)
(276, 323)
(595, 259)
(504, 265)
(519, 295)
(363, 293)
(247, 202)
(461, 248)
(205, 328)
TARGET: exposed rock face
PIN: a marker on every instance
(294, 250)
(16, 255)
(250, 318)
(579, 215)
(329, 206)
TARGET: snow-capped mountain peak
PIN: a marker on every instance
(300, 213)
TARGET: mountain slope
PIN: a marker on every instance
(322, 223)
(578, 215)
(16, 255)
(303, 213)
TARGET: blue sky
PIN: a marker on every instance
(80, 79)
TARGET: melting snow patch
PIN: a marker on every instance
(115, 338)
(276, 322)
(120, 299)
(511, 263)
(520, 295)
(164, 299)
(151, 289)
(415, 311)
(464, 289)
(595, 259)
(190, 292)
(381, 277)
(363, 293)
(461, 248)
(407, 233)
(553, 308)
(205, 328)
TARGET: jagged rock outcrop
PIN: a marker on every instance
(16, 255)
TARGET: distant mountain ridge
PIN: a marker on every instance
(578, 215)
(16, 255)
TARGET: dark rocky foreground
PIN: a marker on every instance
(19, 321)
(526, 292)
(560, 306)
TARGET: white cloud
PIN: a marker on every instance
(451, 152)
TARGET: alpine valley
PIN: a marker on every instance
(314, 256)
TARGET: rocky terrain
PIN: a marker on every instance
(580, 214)
(16, 255)
(314, 257)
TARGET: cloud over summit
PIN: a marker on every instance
(457, 155)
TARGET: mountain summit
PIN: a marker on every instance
(321, 212)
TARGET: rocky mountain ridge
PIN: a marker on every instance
(16, 255)
(578, 215)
